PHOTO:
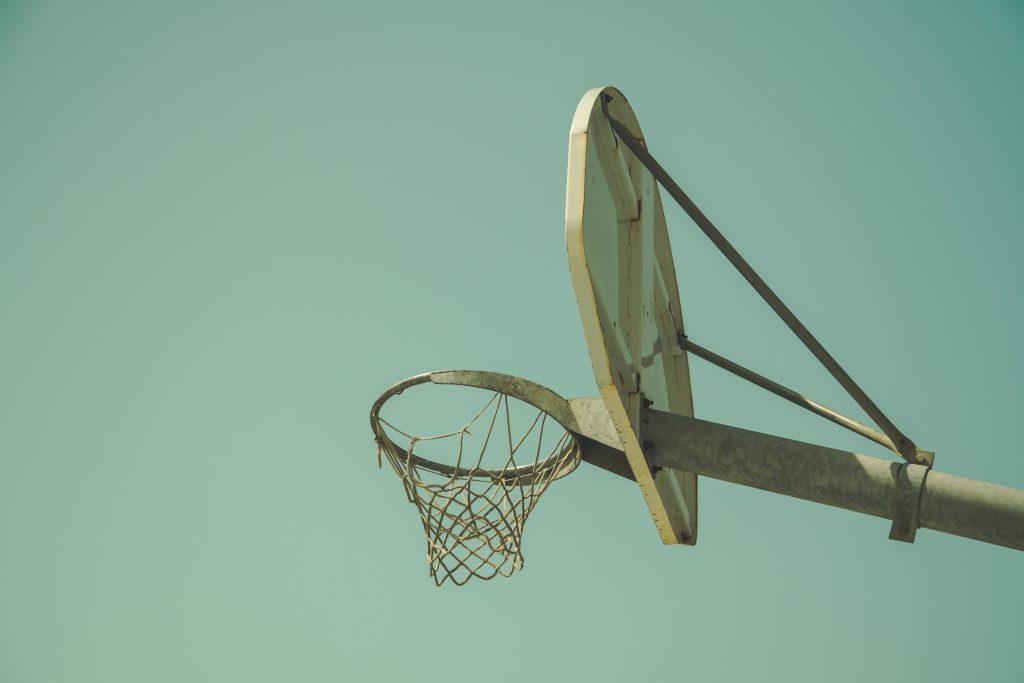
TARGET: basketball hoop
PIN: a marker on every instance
(473, 514)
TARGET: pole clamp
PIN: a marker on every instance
(910, 480)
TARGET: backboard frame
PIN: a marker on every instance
(622, 271)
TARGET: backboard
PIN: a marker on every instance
(628, 297)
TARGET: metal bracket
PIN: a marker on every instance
(596, 435)
(645, 405)
(906, 507)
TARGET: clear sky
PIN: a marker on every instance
(225, 227)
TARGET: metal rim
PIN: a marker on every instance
(531, 393)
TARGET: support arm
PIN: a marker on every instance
(946, 503)
(911, 495)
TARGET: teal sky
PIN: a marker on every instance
(225, 227)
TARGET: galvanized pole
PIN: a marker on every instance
(911, 495)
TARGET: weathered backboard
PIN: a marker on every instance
(625, 282)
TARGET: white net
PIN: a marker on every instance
(473, 515)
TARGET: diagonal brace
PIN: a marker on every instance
(905, 447)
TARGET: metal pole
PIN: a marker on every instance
(911, 495)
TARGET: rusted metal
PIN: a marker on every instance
(903, 443)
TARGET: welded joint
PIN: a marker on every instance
(906, 510)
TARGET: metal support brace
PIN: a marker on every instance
(907, 502)
(904, 446)
(788, 394)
